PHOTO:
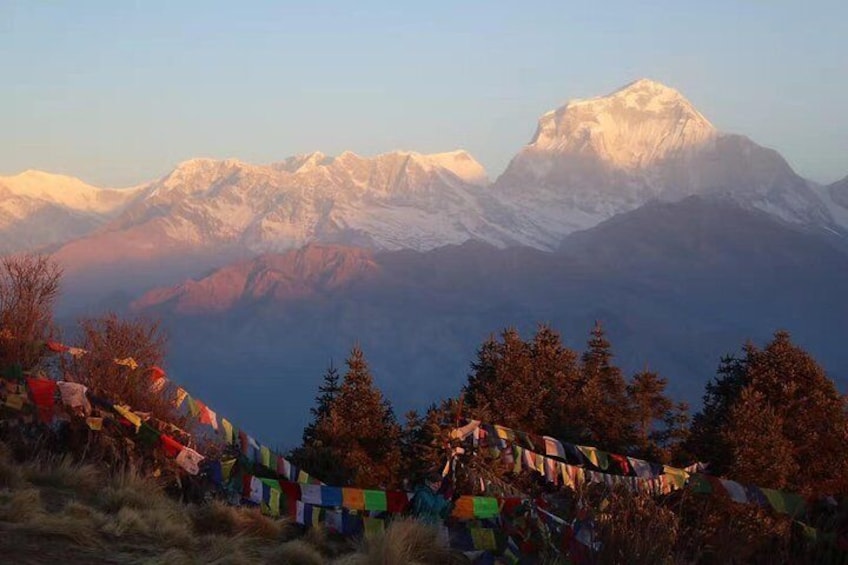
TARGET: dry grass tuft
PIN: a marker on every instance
(20, 506)
(10, 472)
(297, 552)
(64, 474)
(406, 541)
(131, 490)
(219, 518)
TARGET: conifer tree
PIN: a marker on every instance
(327, 390)
(707, 440)
(606, 419)
(521, 384)
(652, 411)
(762, 454)
(360, 429)
(777, 412)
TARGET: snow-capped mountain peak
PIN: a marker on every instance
(635, 126)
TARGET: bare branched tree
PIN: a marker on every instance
(29, 286)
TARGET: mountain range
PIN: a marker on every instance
(630, 208)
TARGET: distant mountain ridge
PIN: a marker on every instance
(588, 161)
(677, 285)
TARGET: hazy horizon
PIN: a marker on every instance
(117, 95)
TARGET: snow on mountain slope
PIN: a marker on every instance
(392, 201)
(38, 209)
(592, 159)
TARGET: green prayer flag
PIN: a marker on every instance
(783, 502)
(700, 484)
(486, 507)
(376, 500)
(193, 408)
(147, 435)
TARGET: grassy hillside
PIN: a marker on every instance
(53, 510)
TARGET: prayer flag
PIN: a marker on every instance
(353, 498)
(486, 507)
(311, 494)
(376, 500)
(189, 460)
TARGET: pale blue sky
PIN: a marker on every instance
(118, 92)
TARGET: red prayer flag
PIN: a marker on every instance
(42, 391)
(171, 446)
(396, 501)
(57, 347)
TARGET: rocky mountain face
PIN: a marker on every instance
(592, 159)
(676, 285)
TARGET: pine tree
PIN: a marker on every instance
(707, 440)
(775, 417)
(606, 418)
(521, 384)
(762, 454)
(328, 390)
(652, 412)
(360, 429)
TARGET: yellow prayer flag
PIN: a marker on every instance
(126, 413)
(127, 362)
(274, 502)
(484, 539)
(373, 526)
(676, 477)
(95, 424)
(227, 468)
(265, 455)
(180, 397)
(302, 477)
(228, 431)
(15, 401)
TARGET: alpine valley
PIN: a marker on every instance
(630, 209)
